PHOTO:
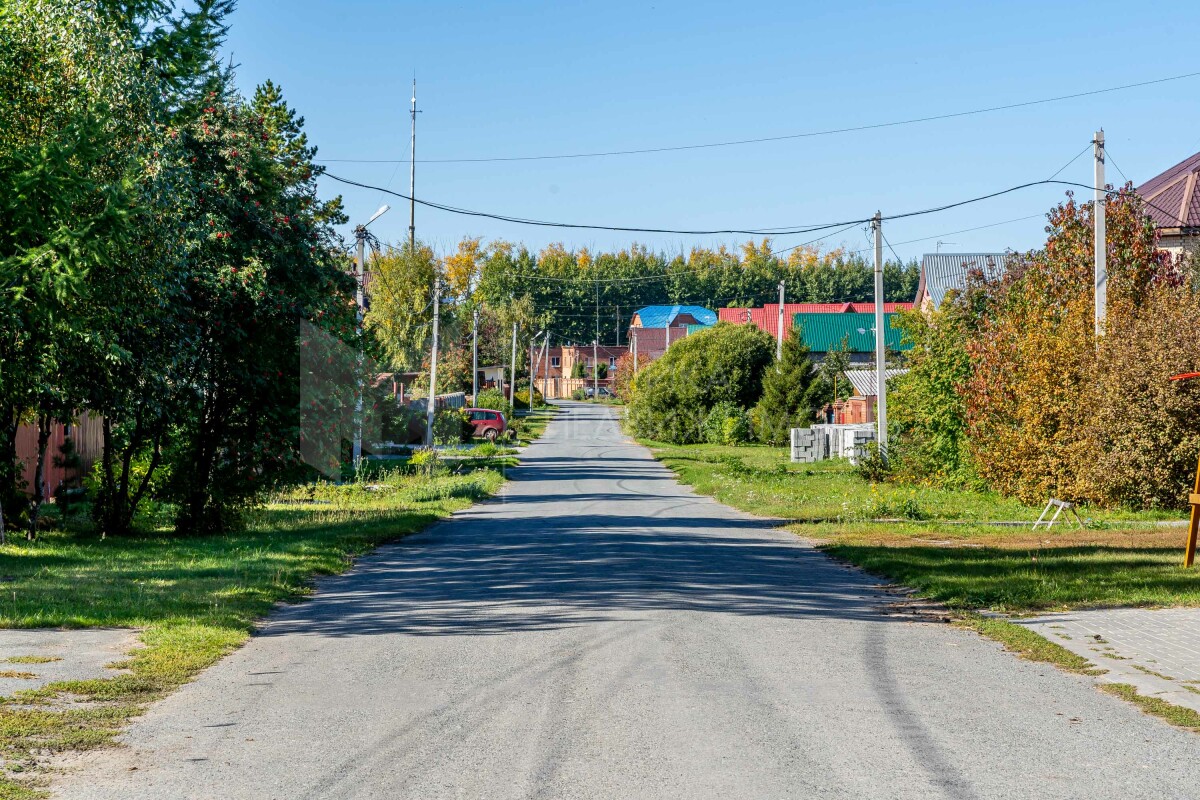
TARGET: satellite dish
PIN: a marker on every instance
(862, 330)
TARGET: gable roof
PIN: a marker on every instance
(824, 332)
(863, 380)
(1175, 195)
(941, 272)
(767, 317)
(663, 316)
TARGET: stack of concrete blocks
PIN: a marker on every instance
(807, 446)
(854, 441)
(821, 442)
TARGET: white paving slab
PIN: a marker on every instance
(1156, 650)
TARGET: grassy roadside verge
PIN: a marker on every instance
(534, 424)
(196, 599)
(939, 545)
(941, 548)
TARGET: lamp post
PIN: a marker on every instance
(360, 271)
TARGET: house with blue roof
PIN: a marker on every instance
(654, 328)
(672, 317)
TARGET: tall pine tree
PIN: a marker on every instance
(791, 392)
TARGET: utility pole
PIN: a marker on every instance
(546, 373)
(595, 356)
(512, 373)
(360, 269)
(412, 175)
(431, 401)
(779, 336)
(618, 339)
(880, 341)
(1100, 234)
(532, 371)
(633, 333)
(474, 354)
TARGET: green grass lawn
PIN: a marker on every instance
(534, 424)
(1023, 575)
(196, 597)
(762, 480)
(935, 547)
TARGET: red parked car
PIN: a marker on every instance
(487, 423)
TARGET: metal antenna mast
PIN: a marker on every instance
(412, 175)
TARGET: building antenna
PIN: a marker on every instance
(412, 174)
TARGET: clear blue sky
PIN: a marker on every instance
(523, 78)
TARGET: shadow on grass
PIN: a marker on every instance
(1011, 579)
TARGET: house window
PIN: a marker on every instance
(612, 361)
(554, 361)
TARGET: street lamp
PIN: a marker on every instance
(360, 269)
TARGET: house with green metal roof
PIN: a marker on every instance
(825, 332)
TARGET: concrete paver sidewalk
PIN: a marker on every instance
(1156, 650)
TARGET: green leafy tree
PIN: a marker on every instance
(177, 43)
(673, 396)
(75, 139)
(927, 406)
(1054, 411)
(832, 372)
(266, 259)
(401, 313)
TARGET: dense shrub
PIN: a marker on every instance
(1142, 430)
(495, 400)
(927, 407)
(1054, 412)
(674, 395)
(451, 426)
(580, 370)
(623, 376)
(727, 424)
(522, 398)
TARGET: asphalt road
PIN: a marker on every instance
(601, 632)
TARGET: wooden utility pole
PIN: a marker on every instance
(1189, 554)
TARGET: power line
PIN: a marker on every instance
(784, 137)
(899, 260)
(547, 224)
(749, 232)
(1072, 161)
(1108, 155)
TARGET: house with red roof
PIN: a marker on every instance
(1173, 203)
(767, 317)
